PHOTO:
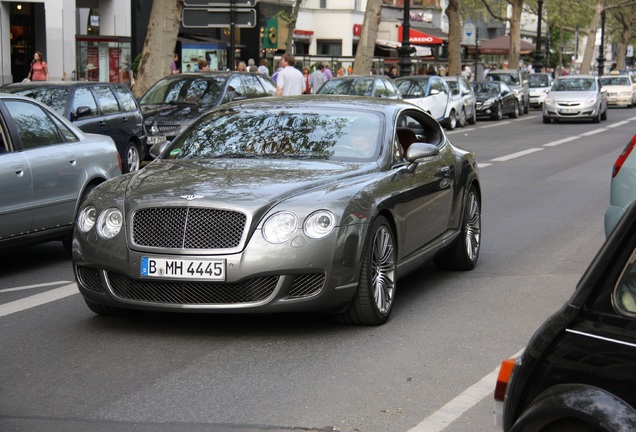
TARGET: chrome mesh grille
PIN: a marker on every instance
(192, 293)
(89, 278)
(306, 285)
(188, 228)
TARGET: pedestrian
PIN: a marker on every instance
(317, 78)
(203, 66)
(306, 78)
(39, 69)
(327, 71)
(241, 66)
(290, 81)
(264, 67)
(251, 66)
(173, 67)
(393, 72)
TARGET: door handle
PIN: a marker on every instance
(19, 170)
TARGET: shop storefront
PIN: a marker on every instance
(103, 58)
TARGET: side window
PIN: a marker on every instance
(126, 98)
(35, 127)
(625, 290)
(84, 97)
(380, 89)
(391, 89)
(234, 88)
(196, 90)
(68, 134)
(463, 86)
(270, 88)
(253, 87)
(107, 100)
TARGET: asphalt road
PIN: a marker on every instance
(430, 368)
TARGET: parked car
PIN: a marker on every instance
(577, 371)
(463, 99)
(175, 101)
(431, 93)
(623, 186)
(575, 97)
(47, 167)
(517, 80)
(95, 107)
(495, 100)
(362, 85)
(620, 91)
(300, 203)
(539, 84)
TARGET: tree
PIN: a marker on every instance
(453, 12)
(625, 16)
(368, 35)
(515, 29)
(291, 23)
(159, 44)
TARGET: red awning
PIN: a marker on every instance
(419, 38)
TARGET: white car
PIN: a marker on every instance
(539, 84)
(620, 91)
(431, 93)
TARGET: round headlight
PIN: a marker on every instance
(109, 223)
(319, 224)
(280, 227)
(86, 219)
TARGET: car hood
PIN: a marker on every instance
(483, 98)
(578, 96)
(176, 113)
(237, 183)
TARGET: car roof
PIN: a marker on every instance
(33, 84)
(324, 101)
(504, 71)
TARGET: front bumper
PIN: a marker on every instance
(565, 112)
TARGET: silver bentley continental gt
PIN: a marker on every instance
(309, 203)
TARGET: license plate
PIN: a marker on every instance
(177, 268)
(156, 139)
(569, 110)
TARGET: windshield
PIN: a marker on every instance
(350, 86)
(616, 81)
(538, 81)
(412, 88)
(486, 89)
(290, 133)
(202, 91)
(574, 84)
(508, 78)
(51, 96)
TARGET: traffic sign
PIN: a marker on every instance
(468, 35)
(217, 17)
(220, 3)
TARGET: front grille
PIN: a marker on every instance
(192, 293)
(306, 285)
(168, 128)
(89, 278)
(188, 228)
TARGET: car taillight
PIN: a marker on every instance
(623, 156)
(505, 371)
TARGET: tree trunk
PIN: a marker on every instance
(368, 35)
(292, 26)
(453, 12)
(625, 18)
(161, 39)
(515, 34)
(588, 54)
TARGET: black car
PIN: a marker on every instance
(362, 85)
(495, 100)
(175, 101)
(95, 107)
(578, 372)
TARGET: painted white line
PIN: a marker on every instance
(38, 299)
(26, 287)
(620, 123)
(594, 132)
(561, 141)
(516, 155)
(483, 165)
(499, 123)
(440, 419)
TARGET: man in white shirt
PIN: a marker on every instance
(290, 81)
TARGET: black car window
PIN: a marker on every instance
(107, 99)
(349, 86)
(268, 85)
(35, 127)
(253, 87)
(83, 97)
(507, 78)
(126, 98)
(412, 88)
(486, 88)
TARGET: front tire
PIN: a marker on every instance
(451, 123)
(515, 111)
(462, 120)
(498, 115)
(132, 159)
(373, 302)
(464, 252)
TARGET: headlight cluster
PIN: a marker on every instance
(591, 100)
(282, 226)
(107, 224)
(489, 102)
(549, 100)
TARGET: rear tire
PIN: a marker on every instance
(373, 301)
(464, 252)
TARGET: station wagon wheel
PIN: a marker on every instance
(464, 252)
(132, 159)
(373, 302)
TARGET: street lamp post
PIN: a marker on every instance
(601, 54)
(538, 64)
(404, 51)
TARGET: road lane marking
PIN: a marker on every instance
(620, 123)
(443, 417)
(38, 299)
(561, 141)
(516, 155)
(26, 287)
(593, 132)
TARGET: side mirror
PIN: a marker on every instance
(82, 111)
(434, 92)
(158, 148)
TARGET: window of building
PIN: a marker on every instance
(329, 47)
